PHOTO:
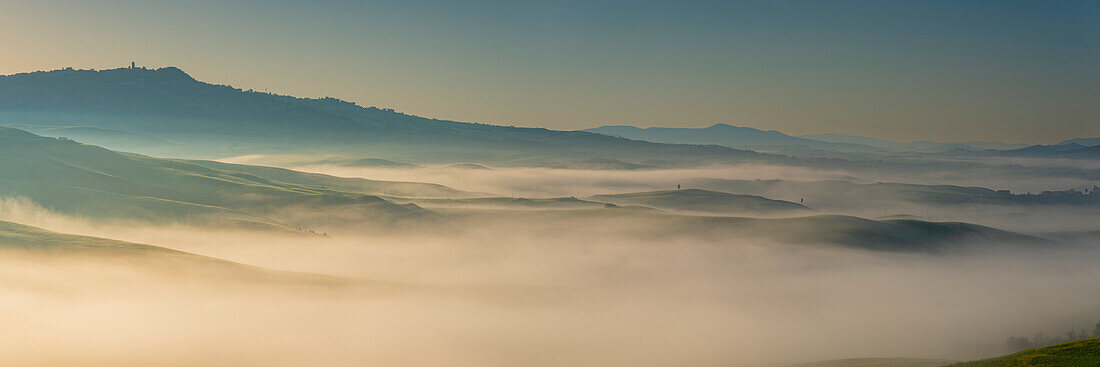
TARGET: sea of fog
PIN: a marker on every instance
(536, 293)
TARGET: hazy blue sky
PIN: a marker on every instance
(958, 70)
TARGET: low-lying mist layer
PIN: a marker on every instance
(469, 265)
(533, 291)
(933, 195)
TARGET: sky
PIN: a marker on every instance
(1012, 71)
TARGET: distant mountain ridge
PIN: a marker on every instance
(914, 146)
(775, 141)
(169, 104)
(1067, 150)
(1082, 141)
(168, 113)
(725, 135)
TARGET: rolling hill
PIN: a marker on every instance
(78, 179)
(842, 195)
(1082, 141)
(901, 236)
(357, 185)
(703, 201)
(41, 246)
(877, 362)
(883, 235)
(86, 180)
(502, 203)
(1069, 150)
(1081, 353)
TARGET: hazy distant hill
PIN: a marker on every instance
(914, 146)
(1068, 150)
(1082, 141)
(884, 235)
(1081, 148)
(839, 194)
(81, 179)
(703, 201)
(909, 236)
(725, 135)
(817, 144)
(849, 147)
(218, 120)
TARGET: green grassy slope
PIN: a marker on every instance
(1081, 353)
(878, 362)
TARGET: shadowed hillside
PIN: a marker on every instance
(358, 185)
(74, 178)
(838, 194)
(639, 223)
(887, 235)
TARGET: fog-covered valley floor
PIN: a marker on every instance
(495, 297)
(935, 193)
(739, 266)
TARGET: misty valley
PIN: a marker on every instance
(147, 218)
